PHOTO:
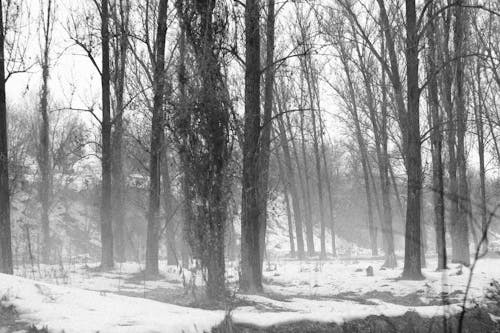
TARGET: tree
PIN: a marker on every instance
(203, 135)
(5, 230)
(251, 271)
(107, 260)
(462, 251)
(44, 161)
(412, 263)
(435, 121)
(153, 232)
(120, 59)
(265, 139)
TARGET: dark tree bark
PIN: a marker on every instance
(153, 232)
(412, 263)
(436, 142)
(44, 152)
(462, 254)
(117, 162)
(5, 232)
(107, 260)
(265, 140)
(251, 272)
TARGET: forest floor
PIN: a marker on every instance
(80, 298)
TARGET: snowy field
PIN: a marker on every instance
(80, 299)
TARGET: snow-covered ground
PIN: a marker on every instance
(328, 291)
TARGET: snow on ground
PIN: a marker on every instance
(80, 311)
(328, 291)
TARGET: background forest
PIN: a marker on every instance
(221, 135)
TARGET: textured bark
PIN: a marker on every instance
(5, 232)
(462, 251)
(153, 230)
(265, 139)
(117, 162)
(251, 271)
(44, 155)
(107, 260)
(435, 121)
(412, 263)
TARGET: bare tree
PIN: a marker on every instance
(107, 260)
(251, 271)
(5, 230)
(44, 162)
(153, 233)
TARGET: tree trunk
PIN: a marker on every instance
(44, 155)
(251, 272)
(107, 260)
(118, 178)
(463, 255)
(265, 140)
(412, 263)
(436, 143)
(5, 233)
(482, 170)
(153, 231)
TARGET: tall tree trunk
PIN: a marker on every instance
(5, 233)
(186, 205)
(168, 199)
(44, 155)
(265, 140)
(480, 140)
(118, 178)
(107, 260)
(412, 264)
(436, 143)
(153, 232)
(251, 272)
(463, 254)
